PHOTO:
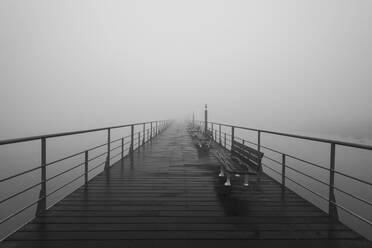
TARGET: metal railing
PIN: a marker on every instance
(133, 141)
(226, 139)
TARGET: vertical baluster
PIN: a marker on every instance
(206, 118)
(151, 131)
(232, 136)
(283, 170)
(42, 204)
(212, 130)
(143, 133)
(259, 148)
(332, 207)
(131, 139)
(139, 139)
(219, 129)
(156, 128)
(107, 165)
(122, 149)
(86, 168)
(225, 139)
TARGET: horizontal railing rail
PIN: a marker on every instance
(133, 141)
(226, 139)
(337, 142)
(54, 135)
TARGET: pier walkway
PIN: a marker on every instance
(169, 195)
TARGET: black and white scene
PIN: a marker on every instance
(188, 124)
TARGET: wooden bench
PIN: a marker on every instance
(242, 160)
(201, 141)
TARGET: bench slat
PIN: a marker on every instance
(247, 153)
(232, 166)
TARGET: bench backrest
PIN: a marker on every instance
(209, 134)
(246, 153)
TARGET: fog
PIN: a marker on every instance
(284, 65)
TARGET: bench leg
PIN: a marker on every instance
(246, 183)
(228, 183)
(222, 174)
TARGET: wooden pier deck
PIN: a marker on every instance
(170, 196)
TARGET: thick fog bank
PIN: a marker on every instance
(284, 65)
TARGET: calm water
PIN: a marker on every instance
(355, 162)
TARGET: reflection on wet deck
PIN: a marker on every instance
(169, 194)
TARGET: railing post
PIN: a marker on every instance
(232, 136)
(151, 131)
(219, 129)
(139, 139)
(131, 139)
(86, 167)
(122, 149)
(225, 139)
(212, 131)
(259, 147)
(332, 207)
(107, 165)
(156, 128)
(42, 205)
(283, 170)
(205, 119)
(144, 135)
(148, 137)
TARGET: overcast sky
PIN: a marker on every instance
(279, 64)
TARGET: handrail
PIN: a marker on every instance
(332, 210)
(337, 142)
(132, 140)
(53, 135)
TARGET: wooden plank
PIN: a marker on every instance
(170, 196)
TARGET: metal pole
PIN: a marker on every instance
(212, 131)
(332, 208)
(232, 136)
(156, 128)
(139, 139)
(148, 137)
(225, 139)
(193, 120)
(43, 175)
(144, 136)
(219, 129)
(86, 167)
(108, 148)
(122, 148)
(205, 119)
(131, 138)
(151, 131)
(259, 148)
(283, 170)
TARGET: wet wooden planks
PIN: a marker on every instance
(169, 195)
